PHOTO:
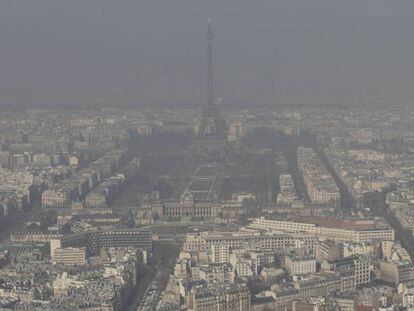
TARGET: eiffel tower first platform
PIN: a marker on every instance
(210, 143)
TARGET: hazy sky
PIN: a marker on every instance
(140, 51)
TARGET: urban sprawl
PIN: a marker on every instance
(170, 209)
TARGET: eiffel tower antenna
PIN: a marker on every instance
(210, 85)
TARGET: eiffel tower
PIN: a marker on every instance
(210, 144)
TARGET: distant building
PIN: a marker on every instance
(56, 198)
(287, 195)
(319, 183)
(186, 206)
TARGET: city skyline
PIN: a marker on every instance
(184, 155)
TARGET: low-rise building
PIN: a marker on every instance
(300, 265)
(234, 297)
(217, 273)
(337, 234)
(69, 256)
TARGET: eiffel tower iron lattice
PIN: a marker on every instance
(210, 143)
